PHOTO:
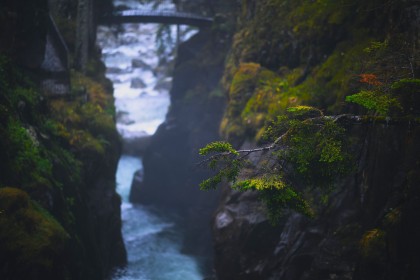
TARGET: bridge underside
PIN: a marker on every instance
(156, 17)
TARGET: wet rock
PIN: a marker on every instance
(137, 83)
(136, 145)
(112, 54)
(123, 118)
(163, 84)
(116, 70)
(223, 219)
(128, 38)
(138, 63)
(136, 186)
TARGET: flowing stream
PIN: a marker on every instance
(153, 241)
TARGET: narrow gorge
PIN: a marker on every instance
(209, 139)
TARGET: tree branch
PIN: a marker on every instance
(343, 118)
(244, 153)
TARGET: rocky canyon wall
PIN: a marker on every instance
(291, 53)
(59, 212)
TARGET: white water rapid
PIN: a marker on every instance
(153, 241)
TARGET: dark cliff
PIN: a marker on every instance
(59, 212)
(366, 230)
(289, 53)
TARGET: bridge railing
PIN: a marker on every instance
(197, 7)
(180, 12)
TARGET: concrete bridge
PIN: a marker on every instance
(156, 16)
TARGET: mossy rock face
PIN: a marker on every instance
(242, 86)
(256, 95)
(33, 244)
(331, 42)
(304, 112)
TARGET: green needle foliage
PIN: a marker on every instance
(306, 154)
(225, 160)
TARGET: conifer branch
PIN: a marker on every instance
(243, 153)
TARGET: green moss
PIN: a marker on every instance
(95, 91)
(327, 40)
(304, 112)
(374, 101)
(316, 17)
(256, 96)
(335, 78)
(373, 244)
(88, 127)
(26, 156)
(32, 241)
(242, 86)
(406, 86)
(52, 149)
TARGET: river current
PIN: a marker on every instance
(153, 240)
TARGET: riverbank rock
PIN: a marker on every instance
(136, 145)
(137, 83)
(138, 63)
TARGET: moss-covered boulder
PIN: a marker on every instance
(33, 245)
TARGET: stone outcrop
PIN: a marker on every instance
(380, 198)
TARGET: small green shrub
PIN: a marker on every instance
(374, 101)
(311, 145)
(277, 196)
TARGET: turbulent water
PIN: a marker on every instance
(153, 241)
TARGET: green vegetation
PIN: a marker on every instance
(51, 151)
(27, 157)
(256, 96)
(329, 55)
(31, 236)
(307, 153)
(374, 101)
(228, 167)
(276, 195)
